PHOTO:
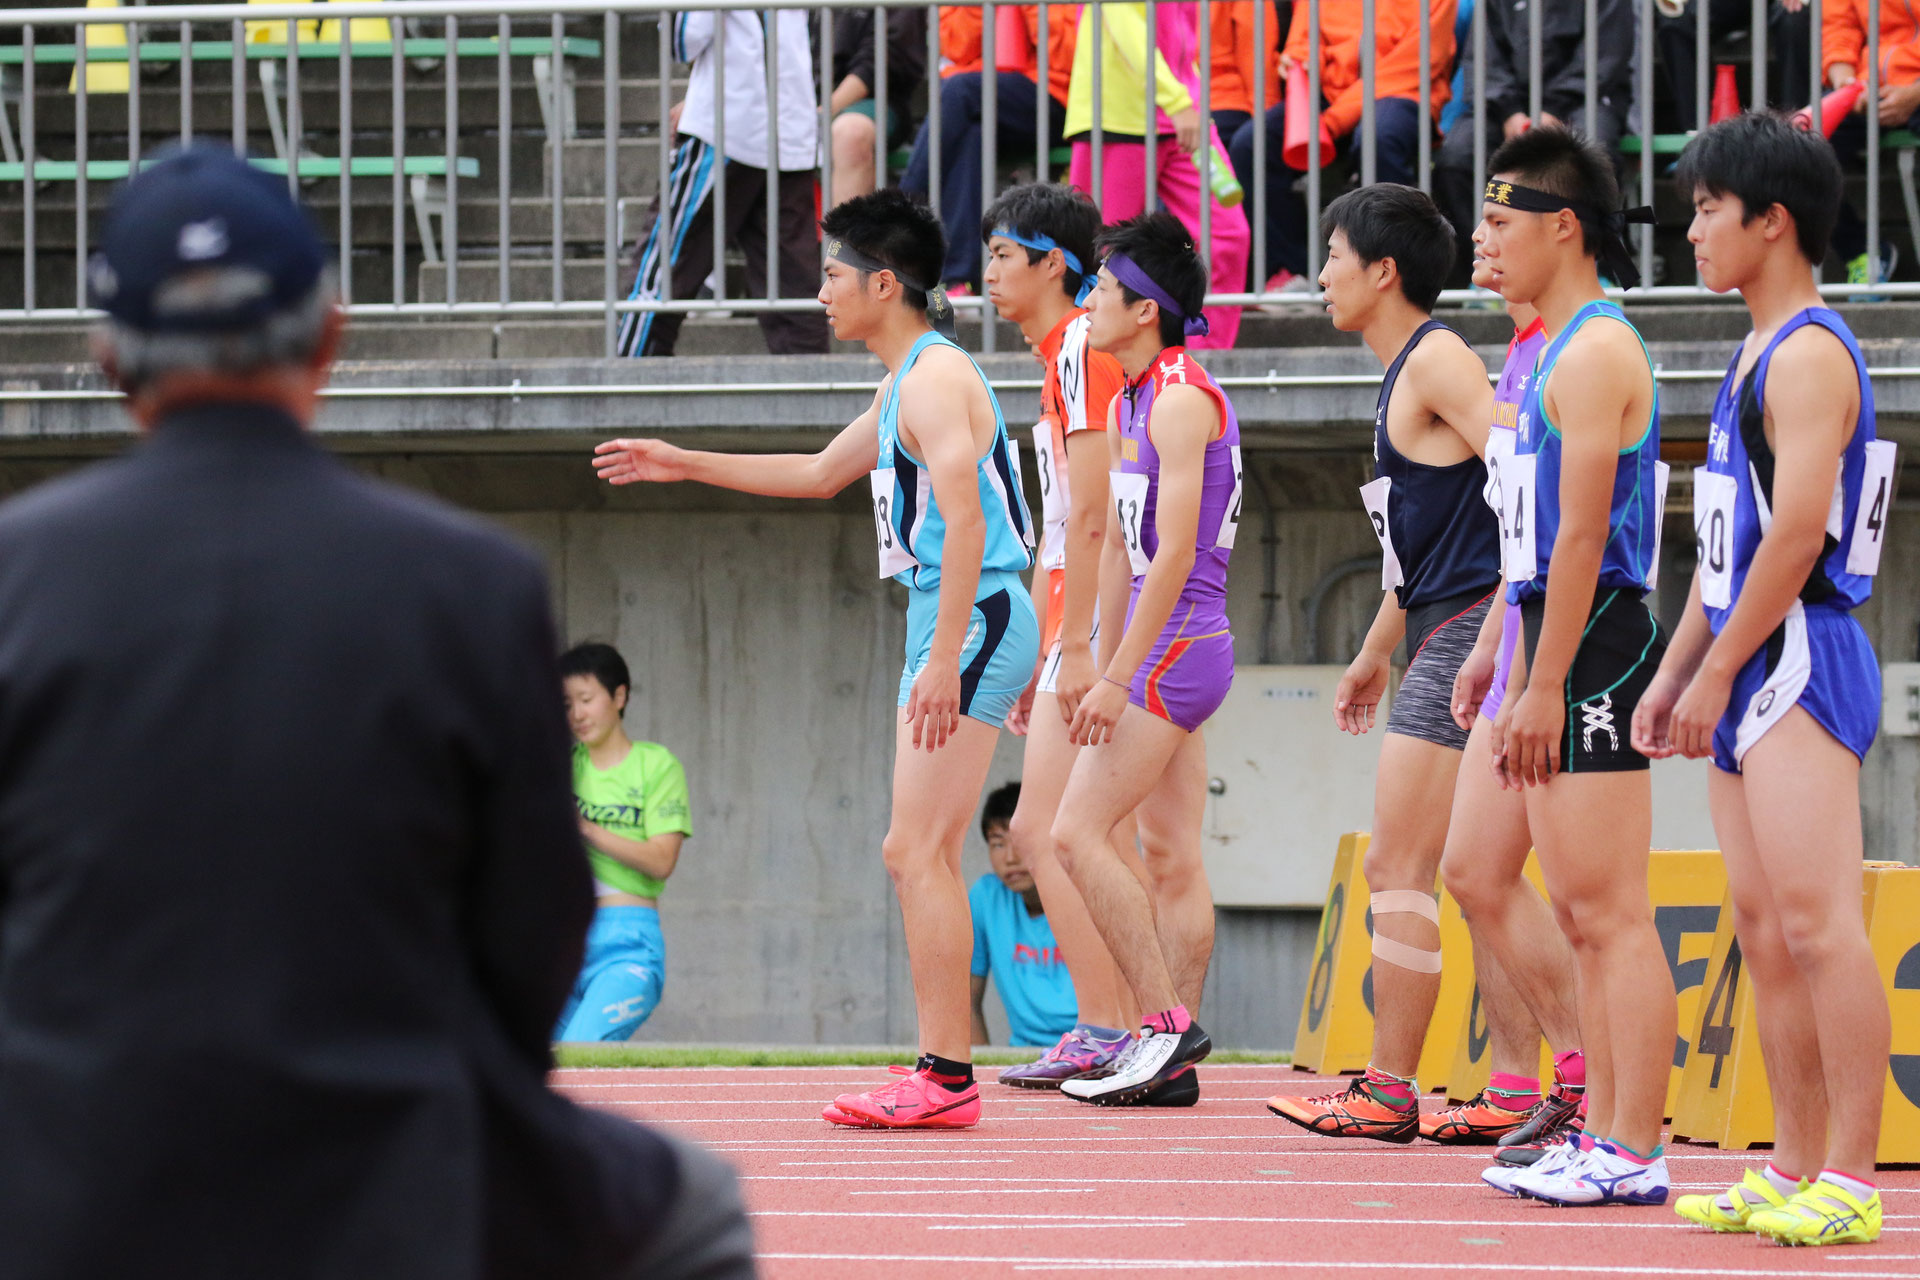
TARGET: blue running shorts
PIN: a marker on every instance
(620, 982)
(1002, 647)
(1818, 659)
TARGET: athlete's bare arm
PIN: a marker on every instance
(1652, 733)
(947, 443)
(1599, 395)
(850, 455)
(1808, 425)
(1358, 696)
(655, 856)
(1475, 676)
(1116, 574)
(1184, 421)
(1086, 537)
(1452, 386)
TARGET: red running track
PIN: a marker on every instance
(1046, 1184)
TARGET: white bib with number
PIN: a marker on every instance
(1053, 499)
(1876, 501)
(1662, 473)
(1519, 560)
(1714, 495)
(1130, 504)
(1374, 494)
(895, 558)
(1230, 521)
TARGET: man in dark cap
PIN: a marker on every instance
(290, 882)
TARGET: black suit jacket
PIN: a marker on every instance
(291, 887)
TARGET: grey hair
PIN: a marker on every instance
(288, 337)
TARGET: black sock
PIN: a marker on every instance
(945, 1072)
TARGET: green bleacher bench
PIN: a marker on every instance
(1664, 144)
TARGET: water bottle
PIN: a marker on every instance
(1226, 186)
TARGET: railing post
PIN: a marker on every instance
(610, 164)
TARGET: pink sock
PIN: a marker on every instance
(1570, 1069)
(1395, 1091)
(1515, 1093)
(1173, 1022)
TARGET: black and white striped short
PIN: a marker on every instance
(1440, 635)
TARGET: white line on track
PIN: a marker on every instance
(1200, 1182)
(1560, 1265)
(733, 1147)
(805, 1164)
(1013, 1220)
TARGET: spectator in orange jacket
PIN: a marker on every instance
(1236, 62)
(1398, 116)
(1843, 55)
(1016, 103)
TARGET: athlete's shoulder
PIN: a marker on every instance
(1812, 361)
(1606, 345)
(1442, 351)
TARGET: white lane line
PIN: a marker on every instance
(750, 1146)
(1560, 1265)
(804, 1164)
(1276, 1181)
(1014, 1220)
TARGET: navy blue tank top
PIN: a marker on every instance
(1445, 537)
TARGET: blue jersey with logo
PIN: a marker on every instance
(912, 516)
(1018, 950)
(1446, 542)
(1737, 450)
(1633, 513)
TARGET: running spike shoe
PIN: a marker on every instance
(1356, 1113)
(1558, 1115)
(915, 1101)
(1479, 1123)
(1733, 1208)
(1149, 1062)
(1077, 1055)
(1501, 1174)
(1601, 1176)
(1822, 1214)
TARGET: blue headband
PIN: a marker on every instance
(1128, 273)
(1046, 244)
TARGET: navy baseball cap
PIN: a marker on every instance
(200, 240)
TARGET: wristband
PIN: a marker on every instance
(1110, 680)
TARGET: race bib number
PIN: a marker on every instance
(1713, 499)
(894, 556)
(1499, 453)
(1518, 558)
(1374, 494)
(1662, 473)
(1876, 501)
(1130, 504)
(1053, 505)
(1230, 522)
(1019, 496)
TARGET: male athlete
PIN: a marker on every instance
(1582, 495)
(1388, 253)
(1521, 961)
(952, 526)
(1770, 676)
(1174, 447)
(1039, 240)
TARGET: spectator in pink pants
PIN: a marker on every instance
(1178, 129)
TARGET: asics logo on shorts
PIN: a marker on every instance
(1766, 702)
(1597, 717)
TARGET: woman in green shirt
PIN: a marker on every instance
(632, 798)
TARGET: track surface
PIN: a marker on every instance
(1048, 1184)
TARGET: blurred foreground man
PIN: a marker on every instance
(290, 883)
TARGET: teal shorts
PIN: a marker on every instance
(867, 107)
(1002, 648)
(621, 979)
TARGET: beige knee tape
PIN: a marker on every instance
(1405, 902)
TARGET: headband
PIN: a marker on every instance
(939, 310)
(1045, 244)
(1615, 259)
(1128, 273)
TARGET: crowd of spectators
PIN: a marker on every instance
(1149, 83)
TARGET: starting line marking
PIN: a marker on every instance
(1051, 1183)
(1225, 1264)
(969, 1221)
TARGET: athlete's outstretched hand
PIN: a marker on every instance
(1538, 723)
(1074, 679)
(1360, 691)
(634, 461)
(933, 705)
(1652, 732)
(1020, 719)
(1470, 685)
(1098, 712)
(1697, 714)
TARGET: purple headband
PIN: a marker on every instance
(1123, 269)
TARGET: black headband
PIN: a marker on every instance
(939, 310)
(1612, 254)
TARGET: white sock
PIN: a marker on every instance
(1779, 1181)
(1861, 1191)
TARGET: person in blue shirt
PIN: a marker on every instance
(1013, 942)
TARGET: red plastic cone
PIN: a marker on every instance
(1833, 108)
(1726, 94)
(1301, 117)
(1010, 45)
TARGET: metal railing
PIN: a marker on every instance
(431, 169)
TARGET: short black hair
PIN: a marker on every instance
(1388, 220)
(1063, 214)
(601, 661)
(1570, 165)
(1762, 161)
(1159, 245)
(892, 227)
(999, 807)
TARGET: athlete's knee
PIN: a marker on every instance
(1479, 891)
(1813, 934)
(1399, 909)
(907, 855)
(1029, 836)
(1391, 865)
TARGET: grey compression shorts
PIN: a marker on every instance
(1440, 635)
